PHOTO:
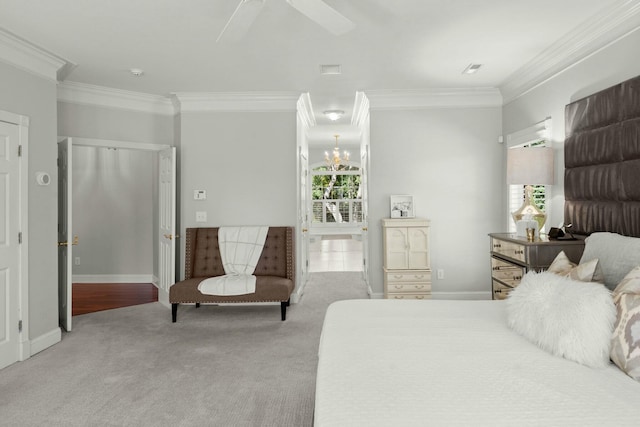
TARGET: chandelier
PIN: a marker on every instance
(335, 159)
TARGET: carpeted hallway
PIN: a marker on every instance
(218, 366)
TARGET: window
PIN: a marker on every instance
(537, 135)
(336, 196)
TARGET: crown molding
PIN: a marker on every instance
(26, 56)
(360, 109)
(305, 111)
(86, 94)
(610, 25)
(434, 98)
(236, 101)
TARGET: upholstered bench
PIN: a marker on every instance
(275, 271)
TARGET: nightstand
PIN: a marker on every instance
(513, 256)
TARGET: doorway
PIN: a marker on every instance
(311, 146)
(335, 241)
(125, 207)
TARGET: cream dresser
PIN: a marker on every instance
(513, 256)
(407, 269)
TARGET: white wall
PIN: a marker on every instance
(246, 161)
(451, 162)
(25, 93)
(113, 208)
(611, 65)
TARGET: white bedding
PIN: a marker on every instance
(420, 363)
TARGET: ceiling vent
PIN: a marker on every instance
(330, 69)
(472, 68)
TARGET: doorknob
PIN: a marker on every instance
(74, 242)
(364, 228)
(169, 236)
(304, 230)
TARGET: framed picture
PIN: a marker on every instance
(402, 206)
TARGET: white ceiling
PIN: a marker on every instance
(396, 45)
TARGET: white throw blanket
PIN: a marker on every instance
(240, 250)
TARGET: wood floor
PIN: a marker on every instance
(92, 297)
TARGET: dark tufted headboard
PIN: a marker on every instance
(602, 161)
(202, 254)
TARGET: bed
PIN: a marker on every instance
(418, 363)
(524, 361)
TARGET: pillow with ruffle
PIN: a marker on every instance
(625, 341)
(586, 272)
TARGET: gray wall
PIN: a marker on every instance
(247, 164)
(35, 97)
(609, 66)
(451, 162)
(90, 121)
(112, 208)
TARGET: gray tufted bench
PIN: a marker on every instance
(275, 271)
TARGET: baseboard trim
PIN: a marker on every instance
(45, 341)
(113, 278)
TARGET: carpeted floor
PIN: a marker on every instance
(218, 366)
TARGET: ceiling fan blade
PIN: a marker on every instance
(324, 15)
(241, 20)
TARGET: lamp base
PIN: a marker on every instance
(529, 210)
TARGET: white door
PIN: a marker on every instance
(304, 215)
(362, 120)
(167, 223)
(304, 121)
(9, 245)
(364, 185)
(65, 231)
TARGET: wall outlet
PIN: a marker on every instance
(77, 260)
(440, 273)
(201, 216)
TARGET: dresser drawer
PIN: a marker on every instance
(408, 276)
(408, 296)
(394, 287)
(498, 264)
(500, 290)
(508, 249)
(506, 272)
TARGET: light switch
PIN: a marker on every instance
(199, 194)
(201, 216)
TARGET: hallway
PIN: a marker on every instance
(335, 253)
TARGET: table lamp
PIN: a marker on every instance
(530, 166)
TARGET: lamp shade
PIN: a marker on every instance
(530, 166)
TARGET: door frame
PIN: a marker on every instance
(362, 120)
(24, 345)
(304, 121)
(110, 143)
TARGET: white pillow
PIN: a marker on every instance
(565, 317)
